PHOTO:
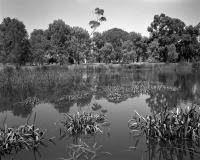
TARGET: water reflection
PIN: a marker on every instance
(172, 150)
(117, 92)
(83, 151)
(163, 89)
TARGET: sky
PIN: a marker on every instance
(129, 15)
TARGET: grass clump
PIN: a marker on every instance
(82, 123)
(179, 124)
(13, 140)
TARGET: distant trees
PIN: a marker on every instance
(135, 48)
(60, 42)
(106, 53)
(170, 41)
(97, 43)
(58, 36)
(14, 44)
(79, 45)
(39, 46)
(126, 47)
(176, 41)
(188, 46)
(116, 37)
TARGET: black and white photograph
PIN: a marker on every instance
(99, 79)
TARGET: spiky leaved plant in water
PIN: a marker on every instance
(15, 139)
(82, 123)
(169, 125)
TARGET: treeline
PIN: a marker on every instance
(170, 40)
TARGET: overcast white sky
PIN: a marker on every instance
(130, 15)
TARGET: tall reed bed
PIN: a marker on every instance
(41, 76)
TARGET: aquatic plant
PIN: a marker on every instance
(82, 123)
(29, 102)
(119, 93)
(169, 125)
(83, 151)
(37, 77)
(75, 96)
(15, 139)
(22, 137)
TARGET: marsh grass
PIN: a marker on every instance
(82, 123)
(35, 77)
(169, 125)
(29, 102)
(15, 139)
(118, 94)
(172, 134)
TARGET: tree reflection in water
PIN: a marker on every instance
(115, 86)
(83, 88)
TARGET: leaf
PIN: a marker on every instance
(103, 19)
(94, 24)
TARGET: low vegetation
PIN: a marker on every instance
(170, 125)
(15, 139)
(82, 123)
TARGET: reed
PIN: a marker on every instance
(35, 77)
(82, 123)
(15, 139)
(170, 125)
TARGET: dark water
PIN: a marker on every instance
(120, 93)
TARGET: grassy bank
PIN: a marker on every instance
(160, 67)
(58, 75)
(94, 66)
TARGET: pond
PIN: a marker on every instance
(115, 92)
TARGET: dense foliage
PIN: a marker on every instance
(14, 43)
(170, 40)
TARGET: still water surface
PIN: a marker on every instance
(120, 93)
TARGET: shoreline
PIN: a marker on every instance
(165, 67)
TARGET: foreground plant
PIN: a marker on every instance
(82, 123)
(169, 125)
(15, 139)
